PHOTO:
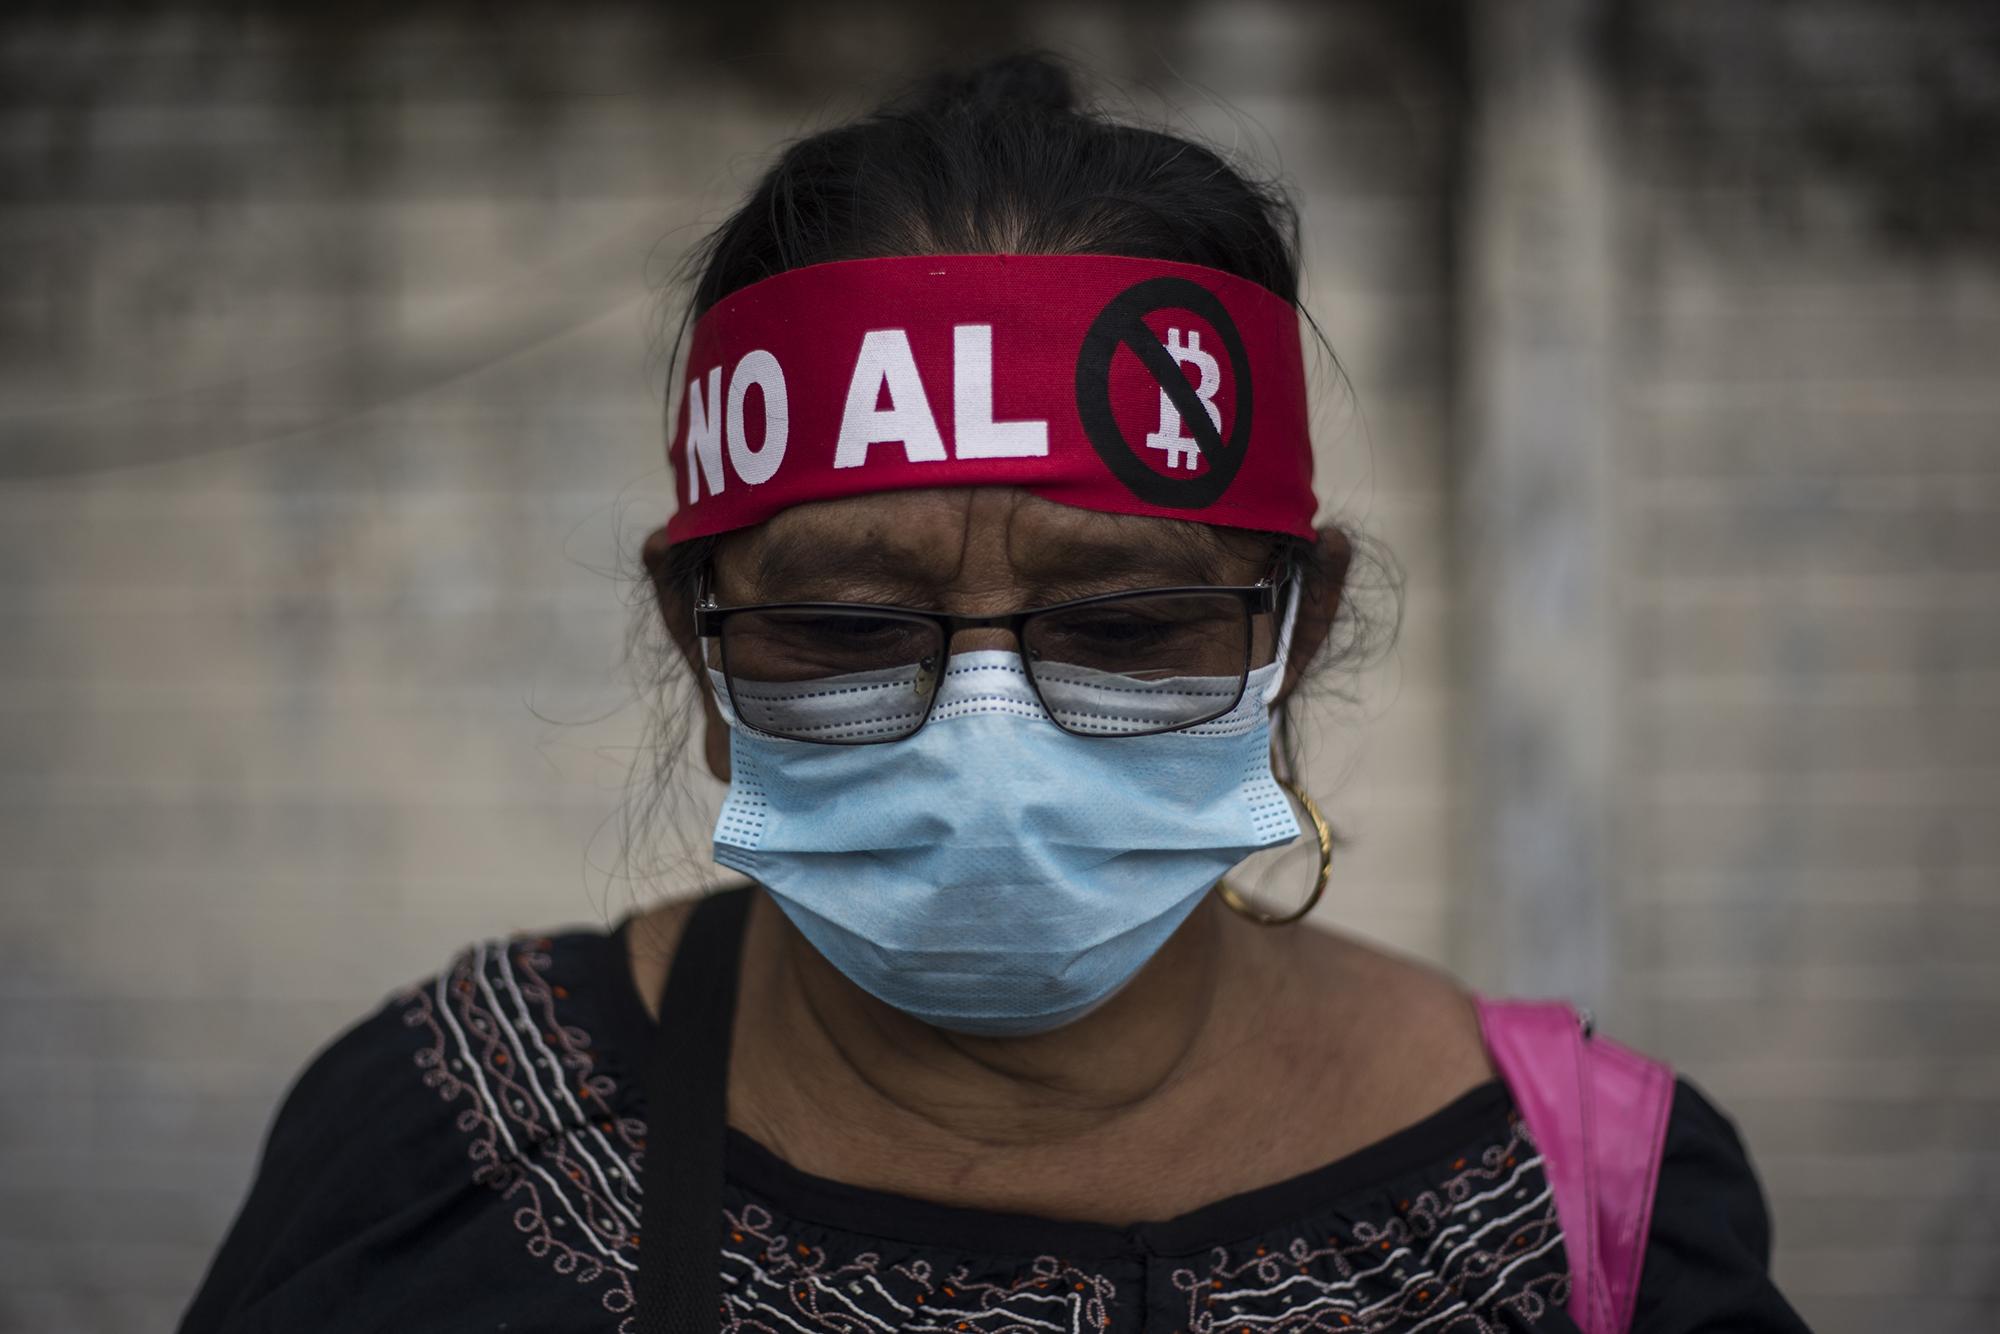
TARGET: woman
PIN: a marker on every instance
(993, 564)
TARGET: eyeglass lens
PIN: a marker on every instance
(1123, 666)
(1140, 664)
(830, 675)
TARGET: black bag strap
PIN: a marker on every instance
(678, 1289)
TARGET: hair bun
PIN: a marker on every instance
(1025, 81)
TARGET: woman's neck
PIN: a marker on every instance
(811, 1040)
(1238, 1056)
(1071, 1123)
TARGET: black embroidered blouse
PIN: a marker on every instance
(467, 1159)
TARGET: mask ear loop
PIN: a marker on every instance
(1319, 827)
(1277, 682)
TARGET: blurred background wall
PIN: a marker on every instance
(329, 423)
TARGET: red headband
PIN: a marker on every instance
(1101, 381)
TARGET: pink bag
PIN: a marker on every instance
(1598, 1111)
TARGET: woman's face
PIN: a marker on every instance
(974, 551)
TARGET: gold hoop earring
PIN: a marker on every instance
(1241, 905)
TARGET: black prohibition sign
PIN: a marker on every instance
(1123, 321)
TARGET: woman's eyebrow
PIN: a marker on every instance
(1163, 563)
(792, 560)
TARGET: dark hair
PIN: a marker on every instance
(1000, 160)
(1004, 159)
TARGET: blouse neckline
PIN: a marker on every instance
(806, 1196)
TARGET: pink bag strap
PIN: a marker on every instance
(1598, 1112)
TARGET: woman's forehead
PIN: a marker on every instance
(950, 533)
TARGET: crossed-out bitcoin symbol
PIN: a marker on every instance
(1183, 450)
(1190, 422)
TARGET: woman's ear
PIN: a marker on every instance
(677, 614)
(1320, 593)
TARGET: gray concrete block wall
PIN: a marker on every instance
(1813, 891)
(1811, 899)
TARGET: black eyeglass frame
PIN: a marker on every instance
(1260, 597)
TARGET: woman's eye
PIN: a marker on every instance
(1117, 630)
(847, 634)
(1120, 627)
(841, 627)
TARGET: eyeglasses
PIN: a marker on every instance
(1174, 658)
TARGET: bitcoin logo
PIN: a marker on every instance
(1183, 451)
(1190, 431)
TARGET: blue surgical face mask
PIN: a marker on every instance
(993, 874)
